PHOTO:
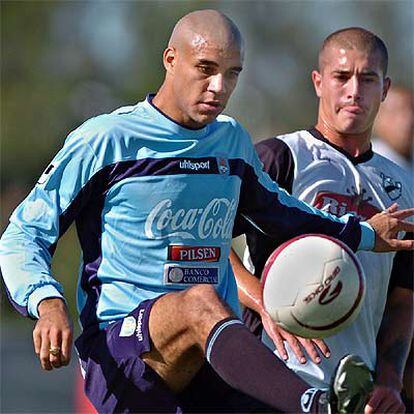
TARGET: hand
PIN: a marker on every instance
(279, 335)
(384, 400)
(387, 224)
(53, 330)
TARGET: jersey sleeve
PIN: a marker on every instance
(272, 211)
(277, 161)
(27, 245)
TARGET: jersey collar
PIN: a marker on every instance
(175, 126)
(366, 156)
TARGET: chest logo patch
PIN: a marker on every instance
(213, 220)
(179, 253)
(190, 275)
(391, 187)
(340, 204)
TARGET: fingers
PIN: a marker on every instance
(384, 400)
(397, 244)
(280, 346)
(312, 348)
(66, 347)
(44, 352)
(296, 348)
(55, 350)
(392, 208)
(405, 226)
(326, 352)
(37, 341)
(52, 340)
(401, 214)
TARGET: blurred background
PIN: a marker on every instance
(65, 61)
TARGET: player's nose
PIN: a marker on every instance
(354, 89)
(217, 84)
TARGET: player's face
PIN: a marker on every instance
(350, 86)
(203, 77)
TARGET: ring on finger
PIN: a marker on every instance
(54, 350)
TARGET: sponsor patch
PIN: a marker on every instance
(190, 275)
(214, 220)
(128, 326)
(193, 253)
(340, 204)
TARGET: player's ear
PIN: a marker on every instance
(317, 82)
(169, 59)
(385, 88)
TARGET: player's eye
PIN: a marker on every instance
(234, 74)
(206, 70)
(341, 77)
(368, 79)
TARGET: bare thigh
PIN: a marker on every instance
(179, 325)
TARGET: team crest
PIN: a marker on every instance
(392, 188)
(223, 165)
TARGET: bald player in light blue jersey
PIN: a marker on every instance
(157, 191)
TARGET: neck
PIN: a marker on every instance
(165, 102)
(353, 144)
(161, 101)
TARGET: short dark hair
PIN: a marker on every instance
(359, 38)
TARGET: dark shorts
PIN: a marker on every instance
(118, 380)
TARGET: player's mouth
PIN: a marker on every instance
(211, 106)
(352, 109)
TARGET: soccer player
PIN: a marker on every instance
(394, 128)
(333, 167)
(156, 190)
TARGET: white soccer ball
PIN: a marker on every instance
(313, 286)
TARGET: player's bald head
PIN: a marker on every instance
(355, 38)
(203, 26)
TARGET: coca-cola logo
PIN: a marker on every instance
(214, 221)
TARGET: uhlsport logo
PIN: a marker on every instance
(138, 331)
(214, 221)
(194, 165)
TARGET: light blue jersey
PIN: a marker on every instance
(155, 206)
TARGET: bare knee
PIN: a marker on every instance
(179, 325)
(184, 319)
(203, 308)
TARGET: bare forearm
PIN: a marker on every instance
(248, 286)
(394, 338)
